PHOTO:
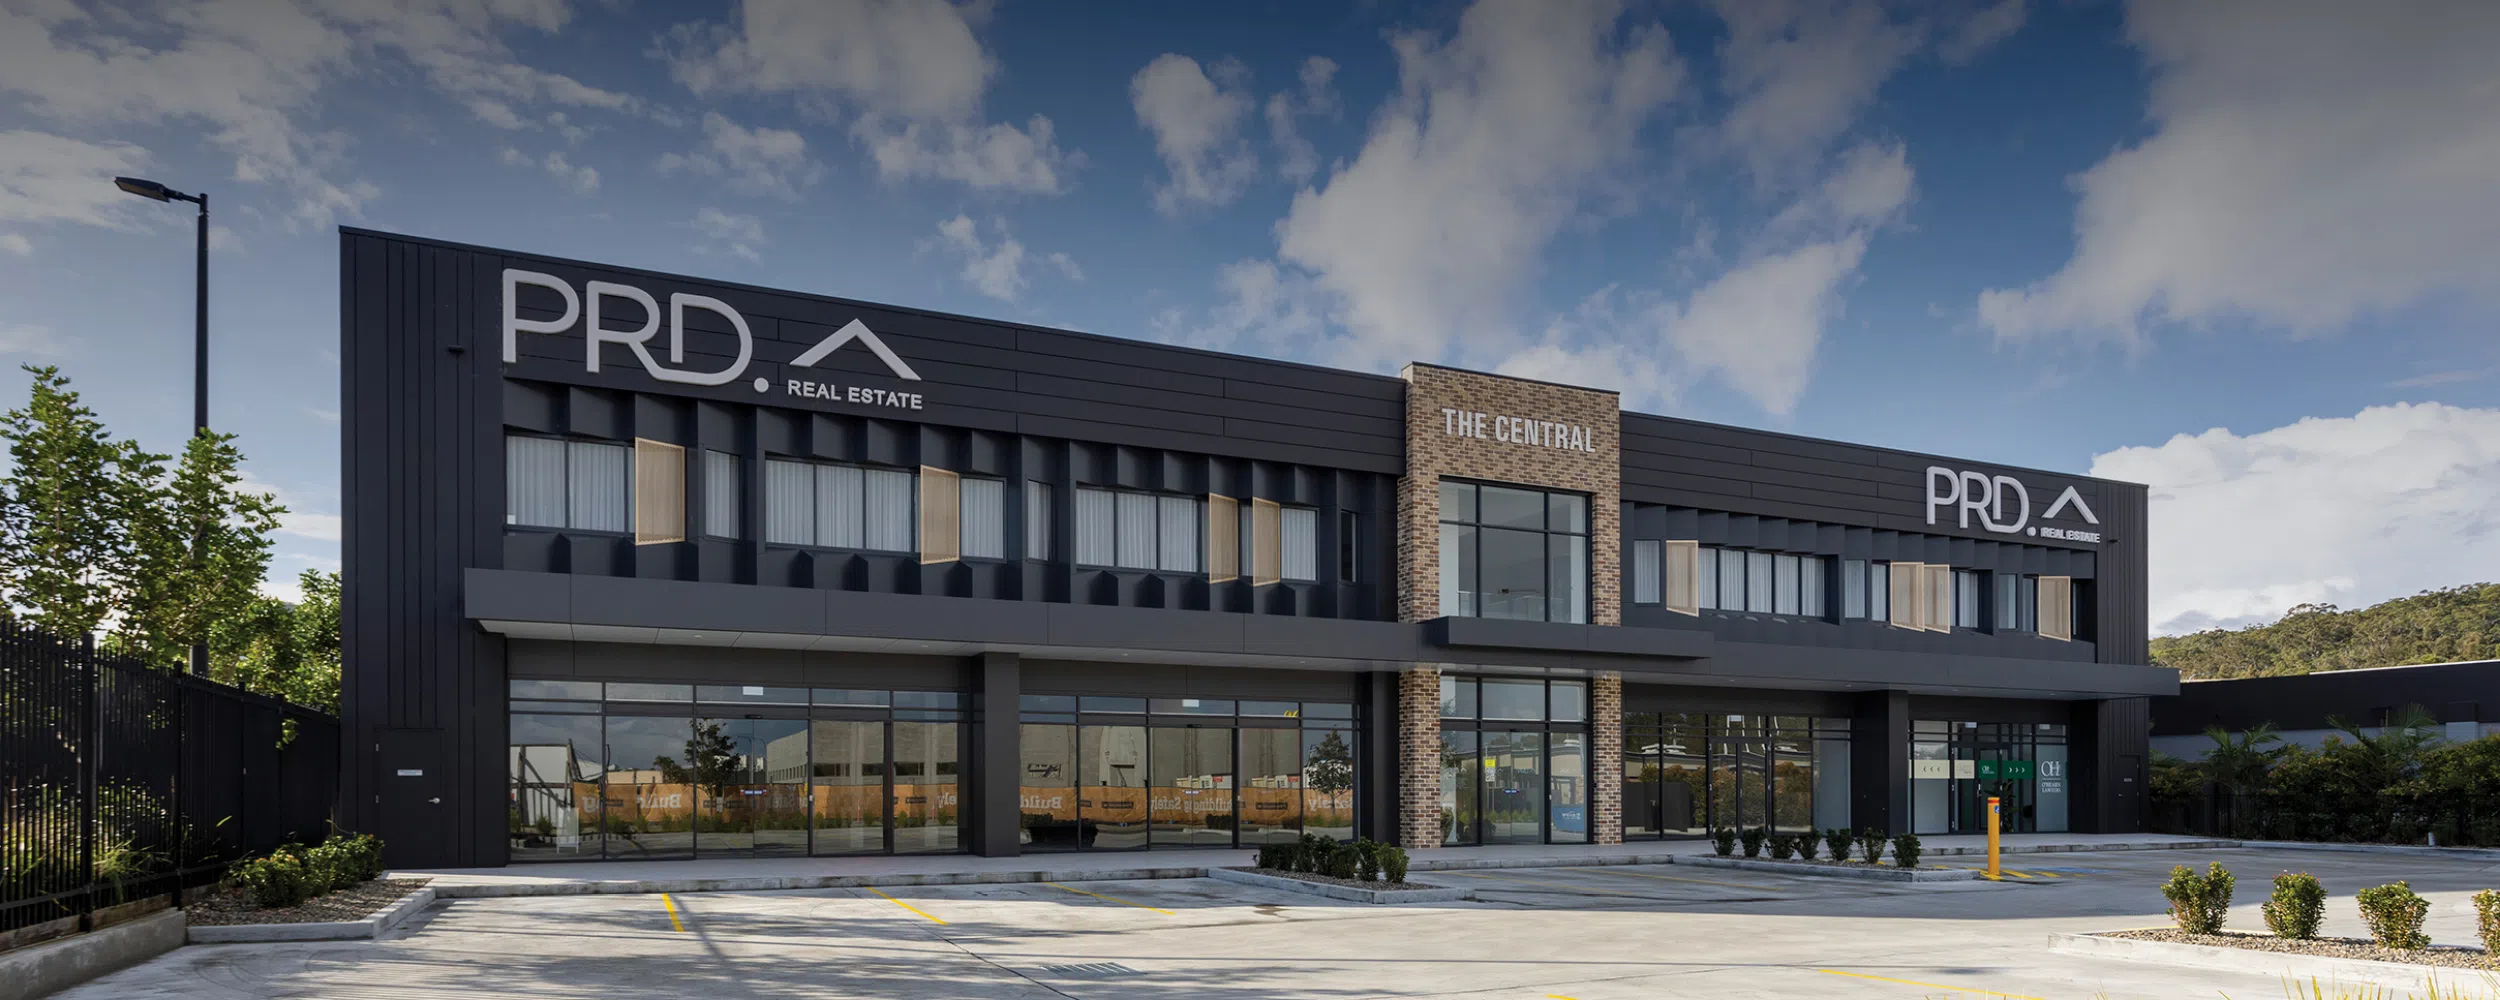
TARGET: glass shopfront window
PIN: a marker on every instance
(1185, 772)
(1509, 552)
(1515, 765)
(636, 770)
(1956, 765)
(1688, 773)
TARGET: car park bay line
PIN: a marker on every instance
(1609, 870)
(1114, 899)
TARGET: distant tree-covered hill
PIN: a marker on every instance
(2434, 626)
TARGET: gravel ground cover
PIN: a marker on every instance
(229, 905)
(2361, 948)
(1327, 880)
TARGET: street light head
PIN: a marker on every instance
(144, 188)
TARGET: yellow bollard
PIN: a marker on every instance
(1992, 837)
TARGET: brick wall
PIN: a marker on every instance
(1432, 452)
(1419, 758)
(1606, 758)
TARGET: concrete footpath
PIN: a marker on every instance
(761, 874)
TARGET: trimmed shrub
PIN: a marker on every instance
(278, 880)
(328, 865)
(1393, 862)
(2394, 912)
(1905, 850)
(1342, 861)
(1270, 856)
(1366, 861)
(1871, 845)
(1752, 837)
(364, 850)
(2487, 921)
(2198, 903)
(1723, 840)
(1806, 844)
(2299, 902)
(1783, 846)
(1838, 840)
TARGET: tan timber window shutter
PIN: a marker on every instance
(1907, 586)
(1939, 587)
(1223, 538)
(2057, 607)
(1680, 577)
(1267, 543)
(941, 516)
(659, 492)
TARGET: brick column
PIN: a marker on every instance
(1606, 756)
(1419, 758)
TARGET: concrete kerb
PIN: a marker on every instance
(2412, 850)
(2178, 845)
(1435, 894)
(769, 883)
(1862, 872)
(53, 966)
(2297, 969)
(323, 930)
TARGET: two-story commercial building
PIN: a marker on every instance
(643, 566)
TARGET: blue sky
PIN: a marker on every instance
(2243, 252)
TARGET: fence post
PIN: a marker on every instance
(182, 823)
(89, 722)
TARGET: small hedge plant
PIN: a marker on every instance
(276, 881)
(1752, 837)
(2198, 903)
(1783, 847)
(1806, 844)
(1363, 860)
(1723, 840)
(2297, 906)
(1838, 840)
(2394, 912)
(2487, 921)
(1905, 850)
(1870, 845)
(292, 874)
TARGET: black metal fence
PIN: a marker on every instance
(126, 782)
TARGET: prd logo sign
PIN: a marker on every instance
(585, 309)
(1988, 496)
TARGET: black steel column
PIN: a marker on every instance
(1879, 762)
(199, 387)
(1376, 768)
(997, 755)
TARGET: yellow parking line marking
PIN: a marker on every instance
(1671, 878)
(1558, 885)
(1927, 986)
(1558, 996)
(902, 904)
(673, 922)
(1114, 899)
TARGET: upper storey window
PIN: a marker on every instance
(838, 506)
(1508, 552)
(555, 483)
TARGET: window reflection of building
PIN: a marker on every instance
(1687, 773)
(1514, 760)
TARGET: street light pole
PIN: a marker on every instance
(154, 191)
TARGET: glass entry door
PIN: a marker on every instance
(926, 799)
(1191, 786)
(848, 783)
(749, 781)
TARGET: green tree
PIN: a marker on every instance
(66, 509)
(2435, 626)
(2237, 765)
(283, 650)
(200, 547)
(1330, 766)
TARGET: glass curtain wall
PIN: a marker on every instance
(1955, 765)
(1121, 773)
(1687, 773)
(1515, 766)
(630, 770)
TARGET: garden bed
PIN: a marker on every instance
(229, 906)
(1882, 872)
(2359, 949)
(1347, 889)
(1333, 880)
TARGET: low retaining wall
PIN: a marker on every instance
(318, 930)
(1871, 873)
(57, 965)
(2300, 969)
(1352, 894)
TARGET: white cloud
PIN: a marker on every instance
(2347, 510)
(759, 160)
(581, 180)
(2309, 163)
(1196, 122)
(1799, 71)
(1493, 141)
(996, 269)
(47, 178)
(1983, 28)
(1297, 159)
(717, 231)
(254, 74)
(17, 244)
(300, 519)
(27, 340)
(912, 71)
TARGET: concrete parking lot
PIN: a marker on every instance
(1575, 933)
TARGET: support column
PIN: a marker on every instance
(1879, 762)
(997, 756)
(1606, 758)
(1376, 781)
(1419, 758)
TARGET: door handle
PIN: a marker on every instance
(437, 800)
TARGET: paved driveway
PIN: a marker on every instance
(1581, 933)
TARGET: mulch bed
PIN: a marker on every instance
(1824, 862)
(2361, 948)
(1328, 880)
(229, 905)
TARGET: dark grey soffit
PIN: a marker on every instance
(565, 606)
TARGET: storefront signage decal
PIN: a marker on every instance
(1991, 496)
(1517, 430)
